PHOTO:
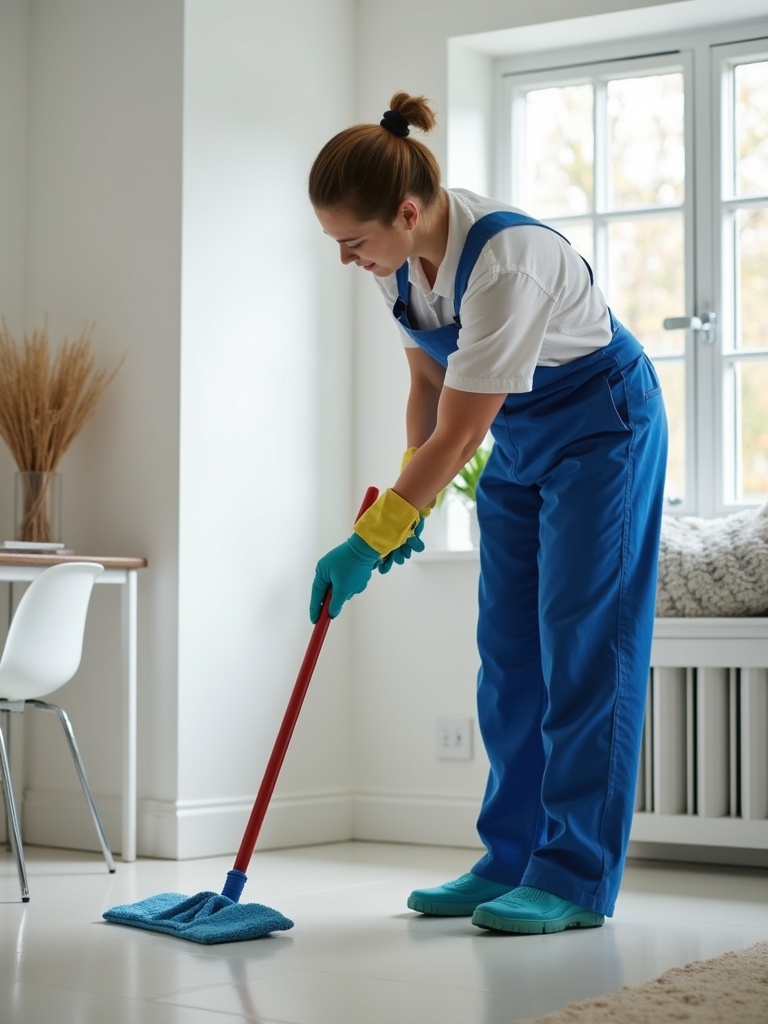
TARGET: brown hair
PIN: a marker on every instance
(369, 169)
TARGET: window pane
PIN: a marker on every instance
(558, 174)
(751, 380)
(646, 158)
(672, 377)
(646, 277)
(751, 291)
(751, 124)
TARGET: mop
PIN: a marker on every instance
(210, 917)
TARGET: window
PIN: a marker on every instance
(655, 166)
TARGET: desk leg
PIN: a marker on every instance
(130, 674)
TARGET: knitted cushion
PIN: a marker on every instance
(714, 567)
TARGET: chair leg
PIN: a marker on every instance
(14, 832)
(6, 802)
(69, 733)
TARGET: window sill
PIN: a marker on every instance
(444, 555)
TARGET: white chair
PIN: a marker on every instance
(42, 652)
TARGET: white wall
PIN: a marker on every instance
(13, 125)
(101, 236)
(165, 149)
(265, 450)
(13, 119)
(103, 231)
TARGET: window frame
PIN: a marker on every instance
(698, 54)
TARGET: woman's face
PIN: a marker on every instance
(376, 247)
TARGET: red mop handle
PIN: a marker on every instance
(290, 718)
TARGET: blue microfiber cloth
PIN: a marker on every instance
(207, 917)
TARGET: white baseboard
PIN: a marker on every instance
(63, 820)
(425, 819)
(207, 828)
(185, 829)
(202, 828)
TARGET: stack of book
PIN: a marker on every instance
(36, 547)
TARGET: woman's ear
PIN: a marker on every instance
(410, 213)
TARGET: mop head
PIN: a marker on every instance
(207, 917)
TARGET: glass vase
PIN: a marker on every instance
(37, 507)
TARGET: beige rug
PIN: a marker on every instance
(730, 989)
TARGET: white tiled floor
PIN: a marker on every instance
(355, 956)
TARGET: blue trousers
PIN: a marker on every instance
(569, 507)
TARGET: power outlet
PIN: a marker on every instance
(454, 739)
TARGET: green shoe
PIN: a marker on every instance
(533, 912)
(456, 899)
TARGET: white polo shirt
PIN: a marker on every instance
(529, 302)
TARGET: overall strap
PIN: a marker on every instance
(403, 290)
(477, 236)
(480, 232)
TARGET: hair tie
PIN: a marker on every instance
(395, 123)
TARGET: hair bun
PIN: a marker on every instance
(395, 123)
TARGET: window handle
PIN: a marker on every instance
(704, 323)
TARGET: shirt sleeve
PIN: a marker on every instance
(504, 317)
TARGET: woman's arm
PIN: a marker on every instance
(427, 376)
(447, 426)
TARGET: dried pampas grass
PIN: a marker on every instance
(45, 400)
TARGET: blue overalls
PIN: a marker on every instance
(569, 507)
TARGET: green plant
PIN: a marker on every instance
(464, 484)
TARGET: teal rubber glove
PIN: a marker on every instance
(346, 570)
(404, 552)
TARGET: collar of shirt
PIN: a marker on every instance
(460, 220)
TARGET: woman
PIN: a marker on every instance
(505, 330)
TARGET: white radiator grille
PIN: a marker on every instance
(705, 744)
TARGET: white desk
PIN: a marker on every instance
(23, 568)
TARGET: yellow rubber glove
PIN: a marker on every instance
(407, 456)
(387, 523)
